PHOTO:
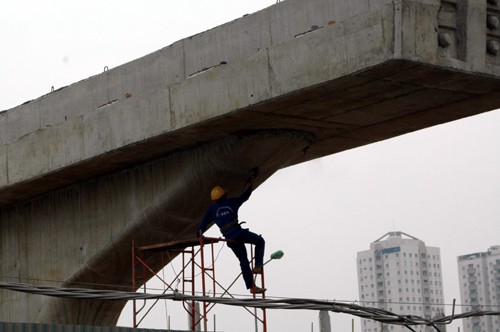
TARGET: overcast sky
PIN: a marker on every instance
(441, 184)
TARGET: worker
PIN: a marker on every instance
(224, 211)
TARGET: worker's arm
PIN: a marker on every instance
(246, 195)
(249, 184)
(202, 227)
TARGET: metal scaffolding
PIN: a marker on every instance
(195, 253)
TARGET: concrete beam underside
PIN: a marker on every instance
(140, 167)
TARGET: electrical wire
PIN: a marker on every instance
(114, 286)
(376, 314)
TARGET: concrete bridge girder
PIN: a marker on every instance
(131, 152)
(351, 73)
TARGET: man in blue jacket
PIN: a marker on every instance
(224, 211)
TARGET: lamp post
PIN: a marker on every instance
(275, 255)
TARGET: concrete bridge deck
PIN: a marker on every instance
(131, 153)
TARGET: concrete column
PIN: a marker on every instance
(155, 202)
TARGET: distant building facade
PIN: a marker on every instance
(479, 275)
(402, 275)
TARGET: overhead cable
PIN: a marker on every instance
(376, 314)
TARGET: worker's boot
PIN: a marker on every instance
(257, 270)
(257, 290)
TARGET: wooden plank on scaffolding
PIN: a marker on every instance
(178, 245)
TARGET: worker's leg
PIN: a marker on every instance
(257, 241)
(240, 251)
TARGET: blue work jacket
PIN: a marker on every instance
(224, 212)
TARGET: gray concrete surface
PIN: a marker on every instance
(132, 152)
(29, 327)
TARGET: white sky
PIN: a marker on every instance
(441, 185)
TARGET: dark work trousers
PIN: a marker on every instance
(239, 249)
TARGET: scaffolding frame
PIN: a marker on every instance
(193, 255)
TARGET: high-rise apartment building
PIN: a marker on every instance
(402, 275)
(479, 275)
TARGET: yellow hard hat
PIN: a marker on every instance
(217, 192)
